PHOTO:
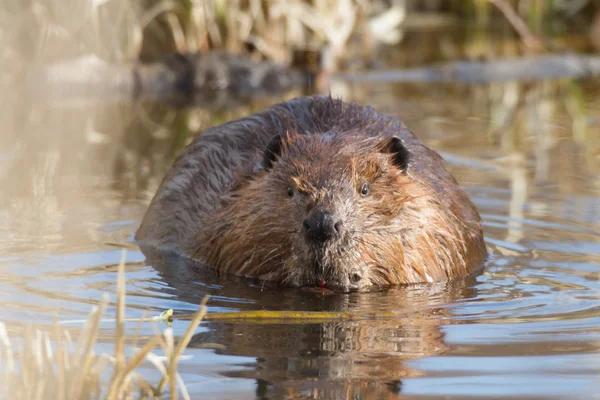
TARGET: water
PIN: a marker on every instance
(76, 182)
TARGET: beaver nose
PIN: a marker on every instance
(321, 226)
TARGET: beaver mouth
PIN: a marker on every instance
(337, 278)
(339, 285)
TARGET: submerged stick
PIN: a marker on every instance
(165, 316)
(303, 317)
(514, 69)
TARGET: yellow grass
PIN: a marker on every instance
(50, 365)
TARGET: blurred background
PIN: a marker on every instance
(98, 97)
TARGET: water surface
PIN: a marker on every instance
(76, 182)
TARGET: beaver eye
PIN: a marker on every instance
(364, 190)
(290, 191)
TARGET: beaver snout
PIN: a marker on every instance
(322, 226)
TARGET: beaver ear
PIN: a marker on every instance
(402, 155)
(272, 151)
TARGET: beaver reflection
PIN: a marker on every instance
(361, 359)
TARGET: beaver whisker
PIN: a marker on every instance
(267, 278)
(270, 256)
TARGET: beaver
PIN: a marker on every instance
(316, 192)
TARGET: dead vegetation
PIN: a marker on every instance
(50, 364)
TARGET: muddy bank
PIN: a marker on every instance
(214, 80)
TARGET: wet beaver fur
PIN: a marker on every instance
(316, 192)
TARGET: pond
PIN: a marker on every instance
(77, 179)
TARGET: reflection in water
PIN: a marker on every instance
(331, 360)
(518, 180)
(76, 182)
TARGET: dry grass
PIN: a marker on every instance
(118, 31)
(124, 30)
(51, 365)
(276, 27)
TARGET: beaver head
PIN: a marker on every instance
(332, 190)
(336, 210)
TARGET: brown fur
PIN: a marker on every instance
(217, 206)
